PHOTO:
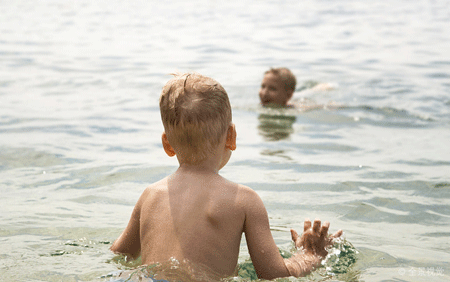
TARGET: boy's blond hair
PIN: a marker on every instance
(286, 76)
(196, 113)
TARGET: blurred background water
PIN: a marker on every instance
(80, 126)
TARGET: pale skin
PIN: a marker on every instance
(273, 93)
(196, 214)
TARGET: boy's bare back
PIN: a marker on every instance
(195, 214)
(198, 216)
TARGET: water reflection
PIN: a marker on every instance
(275, 127)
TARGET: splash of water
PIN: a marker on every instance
(171, 270)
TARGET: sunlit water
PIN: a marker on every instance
(80, 126)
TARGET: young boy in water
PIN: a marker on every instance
(278, 86)
(197, 215)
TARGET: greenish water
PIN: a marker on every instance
(80, 127)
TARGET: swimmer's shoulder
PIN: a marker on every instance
(247, 197)
(158, 185)
(241, 191)
(154, 191)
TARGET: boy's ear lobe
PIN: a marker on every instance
(166, 145)
(231, 138)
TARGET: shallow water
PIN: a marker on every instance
(80, 126)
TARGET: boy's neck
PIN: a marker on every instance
(203, 168)
(212, 164)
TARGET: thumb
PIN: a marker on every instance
(294, 236)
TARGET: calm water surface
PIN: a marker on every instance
(80, 126)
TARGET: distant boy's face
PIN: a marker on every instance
(273, 91)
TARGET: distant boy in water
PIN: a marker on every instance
(197, 215)
(278, 87)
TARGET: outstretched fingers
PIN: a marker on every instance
(307, 225)
(315, 238)
(294, 236)
(324, 229)
(299, 242)
(331, 238)
(337, 234)
(316, 226)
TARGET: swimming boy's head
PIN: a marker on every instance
(277, 87)
(196, 114)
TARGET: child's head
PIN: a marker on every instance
(196, 114)
(277, 87)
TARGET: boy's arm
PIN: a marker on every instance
(129, 241)
(268, 262)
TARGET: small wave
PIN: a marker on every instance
(386, 116)
(27, 157)
(341, 258)
(339, 262)
(171, 270)
(442, 185)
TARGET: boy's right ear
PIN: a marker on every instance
(166, 145)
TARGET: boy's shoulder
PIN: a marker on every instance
(160, 187)
(242, 194)
(247, 196)
(240, 187)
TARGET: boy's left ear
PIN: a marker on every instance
(231, 138)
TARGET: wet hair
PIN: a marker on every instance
(286, 76)
(196, 113)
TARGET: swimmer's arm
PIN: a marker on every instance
(306, 108)
(129, 242)
(264, 253)
(266, 258)
(323, 87)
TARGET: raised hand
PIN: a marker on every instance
(314, 239)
